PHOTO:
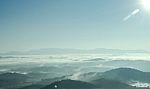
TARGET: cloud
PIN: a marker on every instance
(75, 76)
(131, 14)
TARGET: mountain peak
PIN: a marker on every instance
(69, 84)
(127, 74)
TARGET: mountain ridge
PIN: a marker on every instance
(71, 51)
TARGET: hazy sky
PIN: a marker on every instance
(33, 24)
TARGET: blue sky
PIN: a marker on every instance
(34, 24)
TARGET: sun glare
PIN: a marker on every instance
(146, 4)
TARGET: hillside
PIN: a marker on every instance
(70, 84)
(9, 80)
(127, 75)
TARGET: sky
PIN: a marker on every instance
(85, 24)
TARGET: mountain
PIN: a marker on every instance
(70, 84)
(113, 79)
(110, 84)
(127, 75)
(72, 51)
(9, 80)
(138, 64)
(12, 76)
(34, 86)
(95, 84)
(113, 84)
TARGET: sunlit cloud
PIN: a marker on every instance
(136, 11)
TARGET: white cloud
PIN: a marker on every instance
(131, 14)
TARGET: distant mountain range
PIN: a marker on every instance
(119, 78)
(72, 51)
(113, 79)
(126, 75)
